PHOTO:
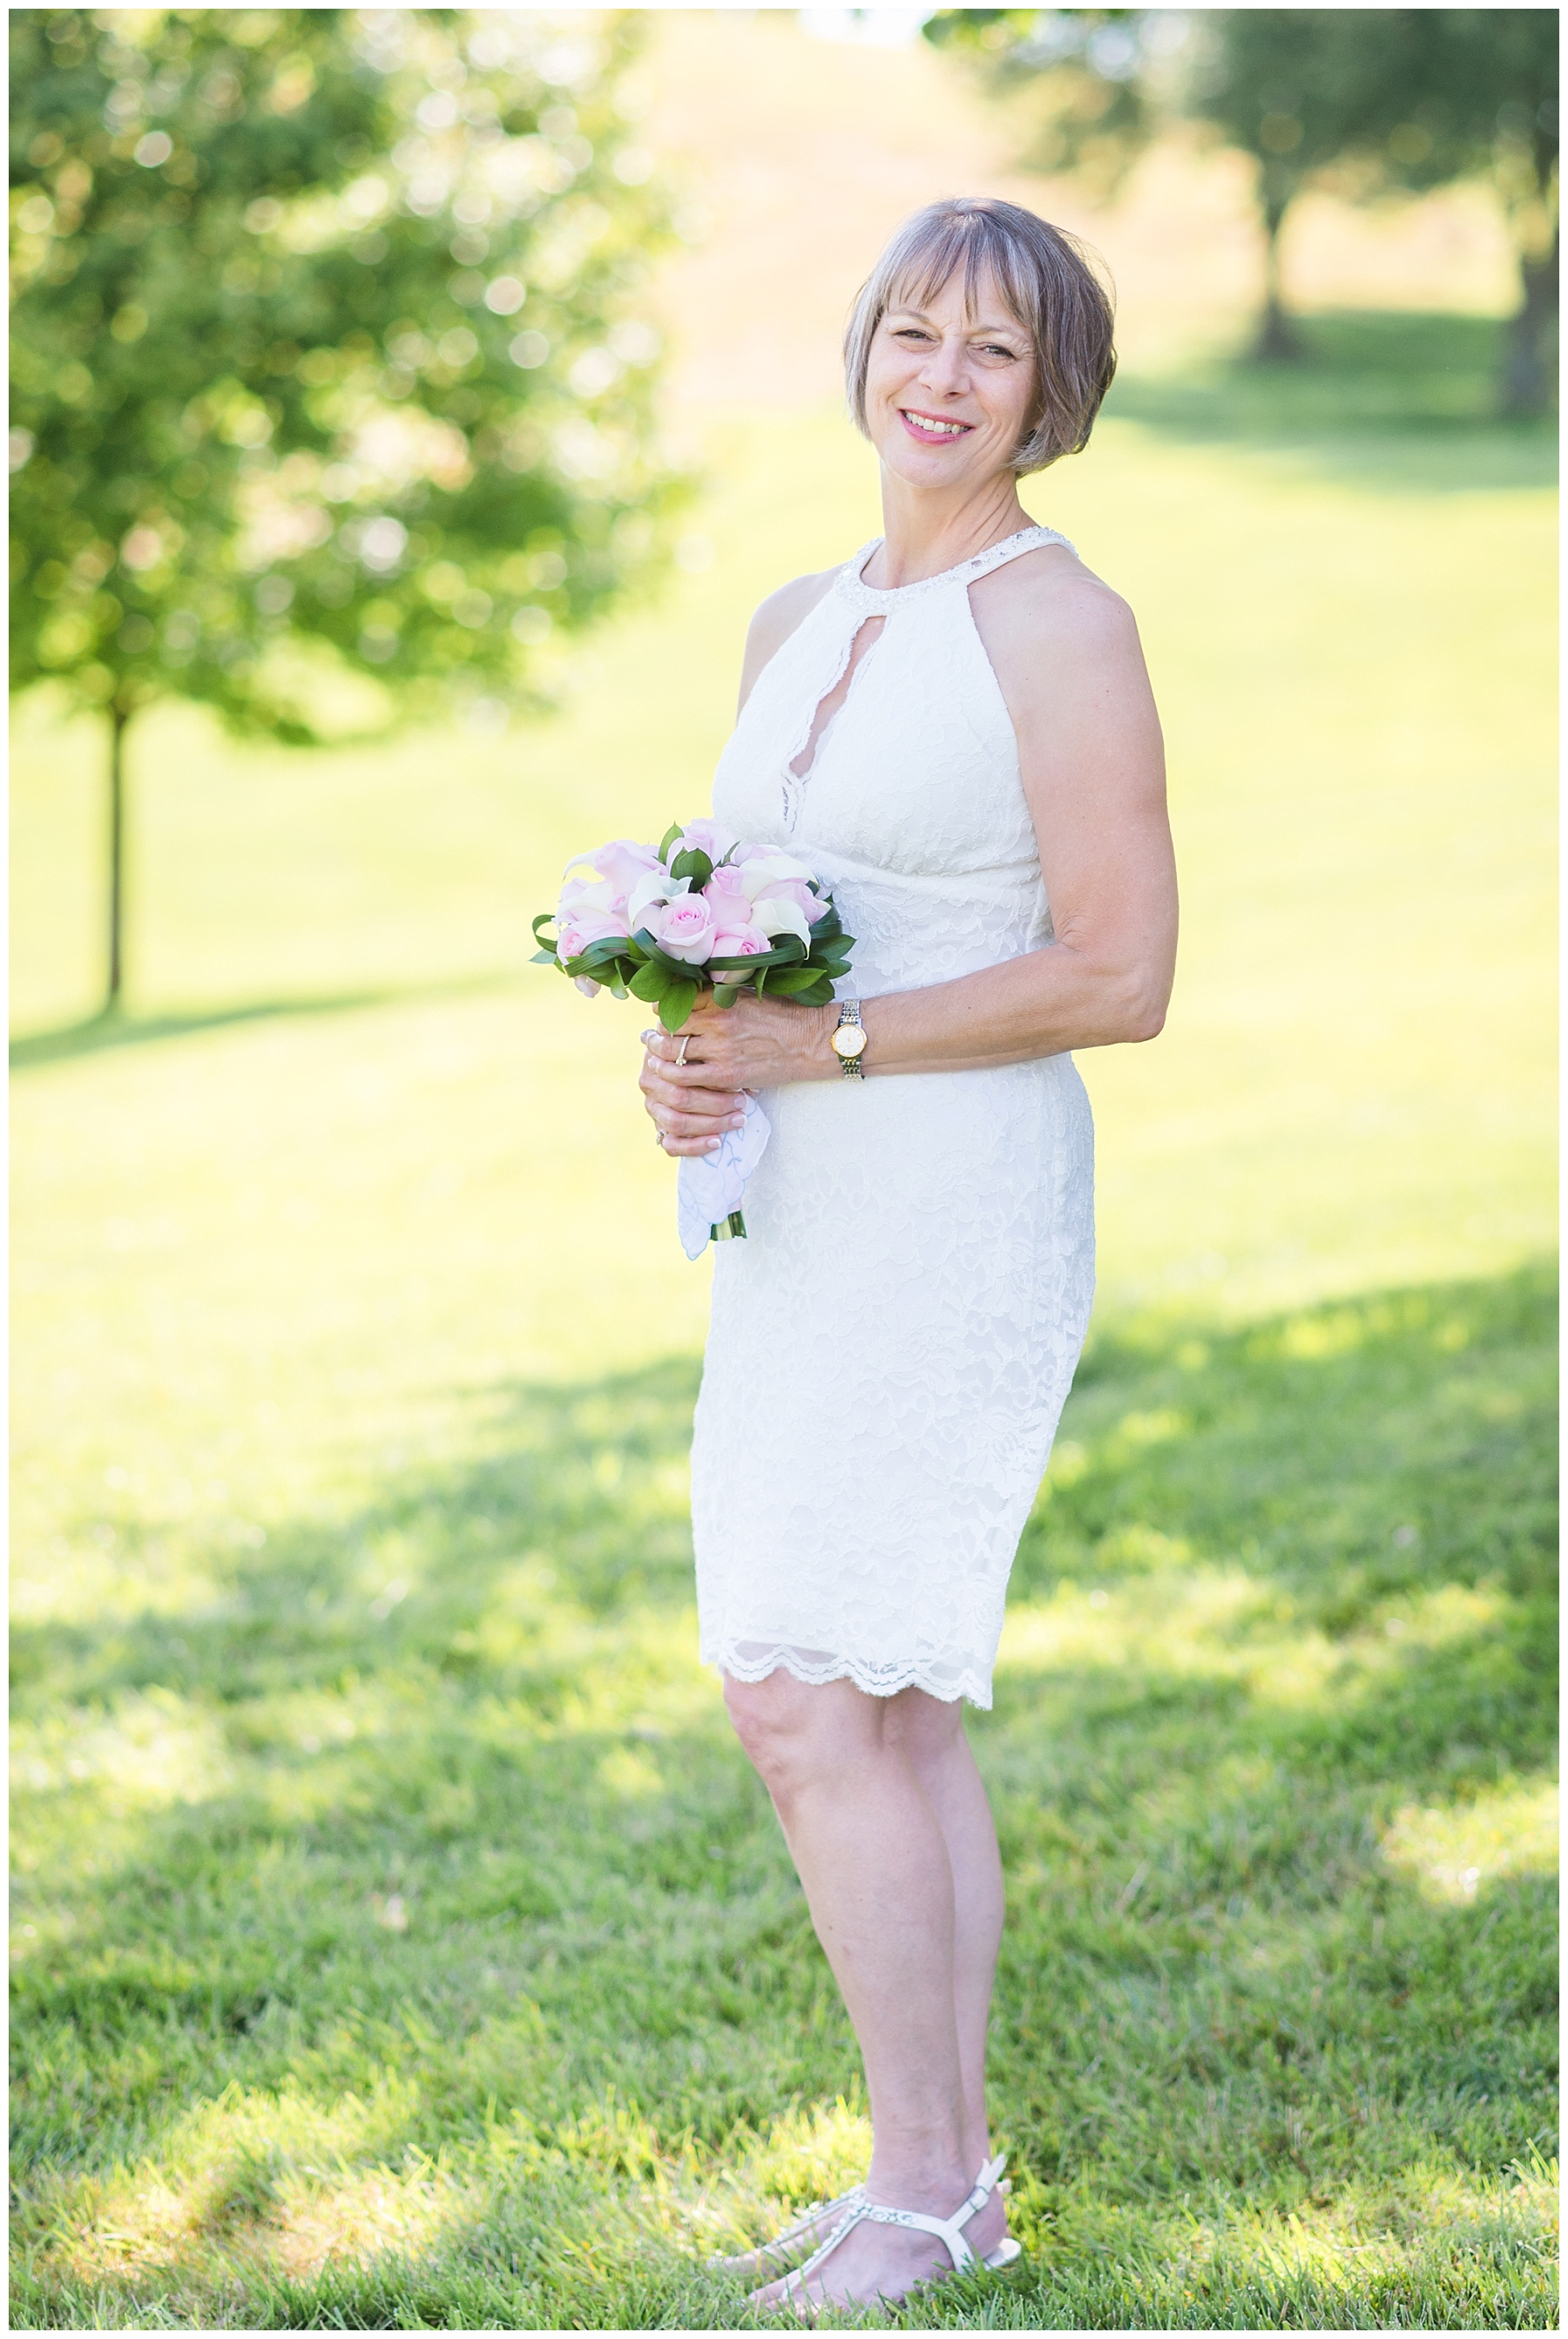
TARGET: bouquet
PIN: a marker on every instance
(664, 922)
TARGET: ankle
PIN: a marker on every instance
(933, 2183)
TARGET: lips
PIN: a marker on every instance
(933, 429)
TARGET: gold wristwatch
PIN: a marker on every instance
(848, 1042)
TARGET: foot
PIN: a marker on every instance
(876, 2264)
(806, 2233)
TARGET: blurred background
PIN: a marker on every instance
(408, 409)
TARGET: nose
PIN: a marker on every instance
(946, 371)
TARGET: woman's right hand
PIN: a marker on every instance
(689, 1116)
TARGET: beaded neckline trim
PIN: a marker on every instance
(851, 576)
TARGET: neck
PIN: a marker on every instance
(925, 533)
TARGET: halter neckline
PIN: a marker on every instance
(1024, 539)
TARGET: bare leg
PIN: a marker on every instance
(874, 1857)
(932, 1736)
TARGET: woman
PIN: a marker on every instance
(955, 732)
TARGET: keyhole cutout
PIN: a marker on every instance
(829, 707)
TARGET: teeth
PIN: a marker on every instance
(929, 422)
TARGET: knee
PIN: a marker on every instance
(929, 1732)
(781, 1723)
(760, 1717)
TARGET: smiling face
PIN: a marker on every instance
(950, 393)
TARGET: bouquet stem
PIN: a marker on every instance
(728, 1229)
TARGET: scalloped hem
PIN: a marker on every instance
(749, 1660)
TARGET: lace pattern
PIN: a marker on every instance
(890, 1350)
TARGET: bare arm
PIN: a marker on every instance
(1066, 654)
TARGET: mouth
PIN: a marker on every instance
(931, 430)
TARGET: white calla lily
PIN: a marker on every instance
(777, 917)
(658, 885)
(768, 869)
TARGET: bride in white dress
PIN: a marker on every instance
(954, 730)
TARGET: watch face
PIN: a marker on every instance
(849, 1040)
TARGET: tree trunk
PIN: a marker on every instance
(1530, 349)
(1277, 342)
(119, 716)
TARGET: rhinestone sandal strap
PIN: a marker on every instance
(944, 2228)
(947, 2230)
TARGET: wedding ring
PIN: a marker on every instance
(681, 1052)
(659, 1138)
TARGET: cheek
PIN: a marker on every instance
(1020, 399)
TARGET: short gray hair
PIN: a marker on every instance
(1047, 281)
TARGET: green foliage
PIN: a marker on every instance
(1097, 76)
(444, 1929)
(324, 346)
(1363, 99)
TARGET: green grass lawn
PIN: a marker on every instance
(400, 1939)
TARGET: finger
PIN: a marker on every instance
(689, 1096)
(677, 1057)
(690, 1124)
(687, 1142)
(707, 1124)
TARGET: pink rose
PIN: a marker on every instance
(684, 928)
(725, 889)
(702, 836)
(580, 923)
(745, 942)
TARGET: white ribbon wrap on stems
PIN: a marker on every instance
(710, 1186)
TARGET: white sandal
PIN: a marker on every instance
(947, 2231)
(804, 2233)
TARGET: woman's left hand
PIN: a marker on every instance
(757, 1043)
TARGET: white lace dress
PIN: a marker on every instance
(891, 1346)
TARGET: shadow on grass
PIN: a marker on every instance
(117, 1028)
(1391, 399)
(419, 1846)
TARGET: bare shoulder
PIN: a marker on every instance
(1045, 607)
(777, 618)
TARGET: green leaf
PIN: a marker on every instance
(656, 957)
(545, 918)
(694, 864)
(794, 982)
(677, 1004)
(725, 994)
(669, 837)
(544, 958)
(815, 995)
(649, 983)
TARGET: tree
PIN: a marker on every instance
(1363, 99)
(324, 362)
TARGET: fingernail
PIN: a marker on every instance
(713, 1145)
(736, 1119)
